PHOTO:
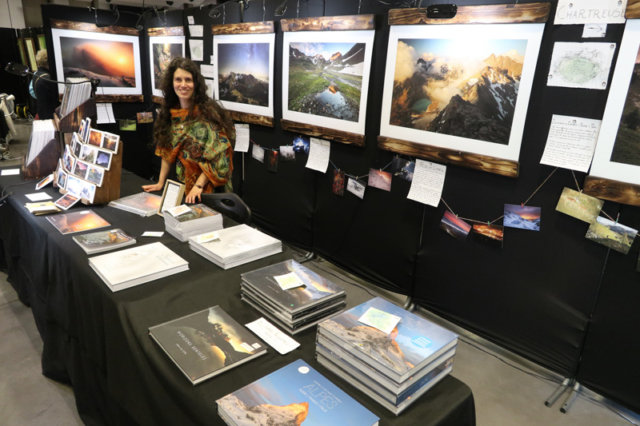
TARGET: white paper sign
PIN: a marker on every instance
(191, 20)
(428, 182)
(197, 49)
(38, 196)
(570, 12)
(594, 30)
(157, 234)
(288, 281)
(195, 30)
(270, 334)
(105, 113)
(571, 142)
(242, 138)
(207, 70)
(319, 152)
(381, 320)
(581, 65)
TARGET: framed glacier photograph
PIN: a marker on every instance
(162, 49)
(615, 171)
(110, 54)
(243, 68)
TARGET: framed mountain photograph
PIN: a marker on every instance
(460, 88)
(615, 171)
(325, 76)
(162, 49)
(110, 54)
(244, 70)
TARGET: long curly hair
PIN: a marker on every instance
(208, 109)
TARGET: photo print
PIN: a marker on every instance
(338, 182)
(83, 123)
(523, 217)
(257, 153)
(74, 185)
(356, 187)
(145, 117)
(461, 87)
(287, 153)
(103, 159)
(77, 148)
(68, 160)
(44, 182)
(112, 58)
(380, 179)
(95, 138)
(81, 169)
(88, 153)
(61, 178)
(403, 168)
(110, 142)
(301, 144)
(271, 158)
(579, 205)
(326, 78)
(454, 226)
(162, 50)
(94, 174)
(87, 191)
(611, 234)
(66, 201)
(492, 235)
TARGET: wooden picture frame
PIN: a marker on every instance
(615, 170)
(31, 53)
(326, 74)
(171, 195)
(254, 42)
(443, 99)
(112, 53)
(164, 44)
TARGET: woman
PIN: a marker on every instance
(194, 132)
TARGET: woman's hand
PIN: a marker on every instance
(152, 188)
(194, 195)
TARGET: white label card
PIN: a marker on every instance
(571, 12)
(178, 210)
(381, 320)
(319, 155)
(288, 281)
(571, 142)
(156, 234)
(428, 182)
(594, 30)
(195, 30)
(242, 138)
(191, 20)
(10, 172)
(207, 71)
(38, 196)
(209, 236)
(270, 334)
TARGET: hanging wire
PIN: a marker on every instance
(576, 181)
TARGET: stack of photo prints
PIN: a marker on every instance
(235, 246)
(85, 163)
(207, 343)
(142, 204)
(188, 221)
(293, 395)
(390, 354)
(76, 92)
(291, 295)
(43, 131)
(101, 241)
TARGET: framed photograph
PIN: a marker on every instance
(461, 87)
(171, 195)
(325, 81)
(162, 50)
(615, 171)
(244, 71)
(31, 53)
(84, 50)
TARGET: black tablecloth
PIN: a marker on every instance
(98, 340)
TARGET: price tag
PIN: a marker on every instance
(289, 281)
(209, 236)
(381, 320)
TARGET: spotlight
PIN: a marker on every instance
(170, 3)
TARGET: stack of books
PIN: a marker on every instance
(192, 220)
(75, 94)
(101, 241)
(293, 395)
(235, 246)
(143, 204)
(137, 265)
(314, 298)
(394, 367)
(207, 343)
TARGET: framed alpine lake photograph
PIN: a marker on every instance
(162, 50)
(84, 50)
(244, 74)
(462, 88)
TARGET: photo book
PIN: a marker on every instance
(143, 204)
(77, 221)
(101, 241)
(191, 220)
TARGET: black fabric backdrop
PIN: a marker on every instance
(534, 297)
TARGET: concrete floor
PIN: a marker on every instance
(504, 395)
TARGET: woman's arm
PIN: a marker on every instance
(195, 193)
(164, 172)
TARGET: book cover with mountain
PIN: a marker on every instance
(294, 395)
(198, 211)
(412, 343)
(207, 343)
(445, 86)
(316, 288)
(96, 242)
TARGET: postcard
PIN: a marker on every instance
(380, 179)
(338, 183)
(95, 138)
(94, 174)
(301, 144)
(257, 153)
(66, 201)
(579, 205)
(103, 159)
(492, 235)
(403, 168)
(271, 158)
(287, 153)
(110, 142)
(356, 187)
(454, 226)
(145, 117)
(523, 217)
(611, 234)
(44, 182)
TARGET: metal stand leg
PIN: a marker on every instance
(409, 305)
(559, 391)
(307, 257)
(572, 397)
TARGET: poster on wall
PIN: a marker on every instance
(460, 87)
(325, 79)
(112, 58)
(162, 50)
(243, 73)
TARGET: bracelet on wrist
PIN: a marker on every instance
(198, 186)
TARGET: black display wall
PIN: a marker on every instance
(9, 83)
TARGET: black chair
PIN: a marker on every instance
(230, 205)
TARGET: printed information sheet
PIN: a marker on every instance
(571, 142)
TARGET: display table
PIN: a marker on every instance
(98, 340)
